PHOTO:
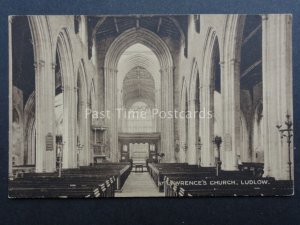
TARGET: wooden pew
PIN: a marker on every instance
(120, 170)
(158, 172)
(50, 187)
(104, 179)
(217, 186)
(172, 183)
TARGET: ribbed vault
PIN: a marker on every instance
(138, 85)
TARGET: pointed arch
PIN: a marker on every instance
(65, 59)
(230, 85)
(83, 124)
(194, 108)
(162, 52)
(42, 38)
(209, 96)
(134, 36)
(232, 40)
(43, 63)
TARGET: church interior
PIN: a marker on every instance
(150, 106)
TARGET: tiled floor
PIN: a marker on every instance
(139, 185)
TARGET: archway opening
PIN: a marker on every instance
(58, 109)
(216, 100)
(160, 51)
(193, 115)
(251, 89)
(139, 85)
(23, 97)
(82, 122)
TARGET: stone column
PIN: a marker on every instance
(119, 112)
(10, 94)
(192, 152)
(167, 125)
(231, 113)
(83, 135)
(158, 107)
(87, 136)
(44, 107)
(111, 106)
(162, 121)
(277, 92)
(89, 143)
(69, 122)
(207, 126)
(182, 136)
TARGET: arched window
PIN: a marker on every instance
(251, 87)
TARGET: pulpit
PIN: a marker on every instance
(99, 146)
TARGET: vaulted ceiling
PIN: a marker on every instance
(104, 27)
(138, 85)
(164, 26)
(138, 76)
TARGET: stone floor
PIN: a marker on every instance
(139, 185)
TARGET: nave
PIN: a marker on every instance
(159, 180)
(201, 97)
(139, 184)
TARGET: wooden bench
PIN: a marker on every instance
(276, 188)
(225, 186)
(120, 170)
(50, 187)
(158, 172)
(90, 181)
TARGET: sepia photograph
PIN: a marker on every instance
(150, 105)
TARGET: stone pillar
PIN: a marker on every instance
(167, 125)
(111, 108)
(10, 94)
(69, 122)
(158, 107)
(207, 126)
(192, 149)
(277, 92)
(182, 136)
(161, 120)
(44, 107)
(87, 136)
(231, 113)
(83, 135)
(89, 133)
(119, 111)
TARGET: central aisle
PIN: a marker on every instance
(139, 185)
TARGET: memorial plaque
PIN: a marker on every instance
(49, 142)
